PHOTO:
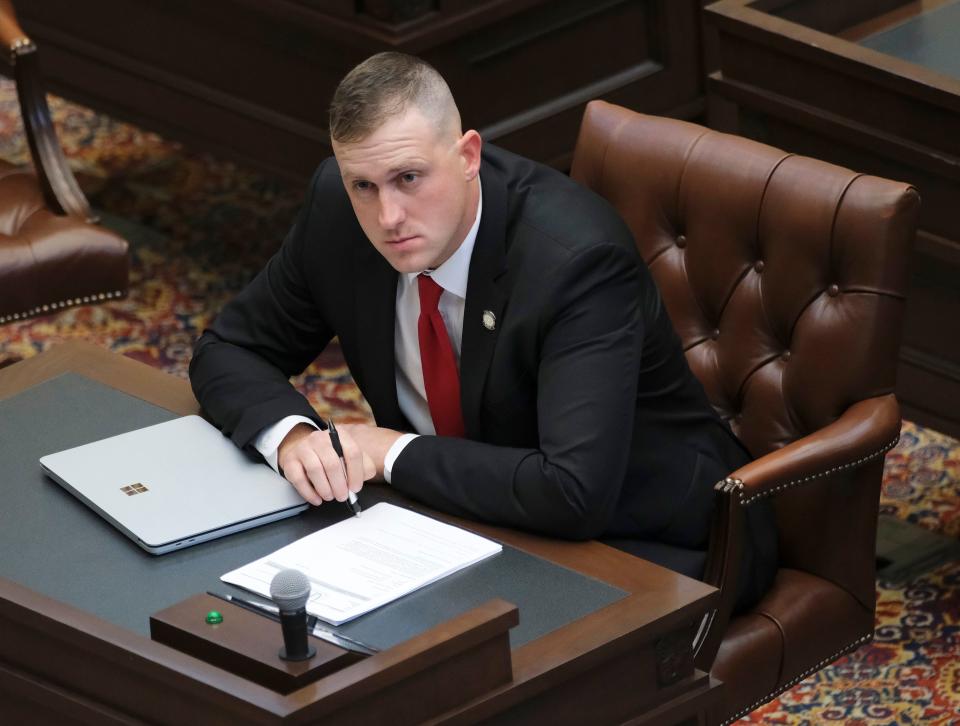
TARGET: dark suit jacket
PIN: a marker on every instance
(582, 417)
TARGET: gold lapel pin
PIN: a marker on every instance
(489, 320)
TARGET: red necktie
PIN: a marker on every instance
(440, 376)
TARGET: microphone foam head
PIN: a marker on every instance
(289, 589)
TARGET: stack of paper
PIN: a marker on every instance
(364, 562)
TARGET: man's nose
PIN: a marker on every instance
(391, 211)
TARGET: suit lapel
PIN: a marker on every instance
(376, 305)
(484, 295)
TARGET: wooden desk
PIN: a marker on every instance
(794, 74)
(252, 79)
(628, 662)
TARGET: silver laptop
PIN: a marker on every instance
(174, 484)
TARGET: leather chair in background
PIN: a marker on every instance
(52, 254)
(784, 278)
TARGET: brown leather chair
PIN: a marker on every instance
(52, 254)
(784, 277)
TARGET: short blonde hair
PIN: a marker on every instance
(386, 85)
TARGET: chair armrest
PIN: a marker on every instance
(11, 34)
(60, 188)
(865, 431)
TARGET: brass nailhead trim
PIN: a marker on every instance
(851, 465)
(810, 671)
(61, 304)
(19, 47)
(730, 484)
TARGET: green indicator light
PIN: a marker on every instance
(214, 617)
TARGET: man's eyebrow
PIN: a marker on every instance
(352, 176)
(407, 166)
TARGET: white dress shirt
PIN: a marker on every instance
(452, 276)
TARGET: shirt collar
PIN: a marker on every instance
(453, 274)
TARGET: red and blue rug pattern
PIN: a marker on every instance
(910, 673)
(201, 227)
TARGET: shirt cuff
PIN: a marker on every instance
(269, 439)
(392, 454)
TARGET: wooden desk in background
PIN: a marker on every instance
(252, 79)
(627, 662)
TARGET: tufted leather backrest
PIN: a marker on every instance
(784, 276)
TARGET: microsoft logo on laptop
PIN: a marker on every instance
(132, 489)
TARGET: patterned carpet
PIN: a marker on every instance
(201, 227)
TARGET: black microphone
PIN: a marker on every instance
(289, 589)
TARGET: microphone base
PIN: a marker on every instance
(311, 651)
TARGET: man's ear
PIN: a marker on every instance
(470, 146)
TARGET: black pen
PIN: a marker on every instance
(352, 500)
(257, 607)
(314, 627)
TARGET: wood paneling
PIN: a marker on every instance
(252, 79)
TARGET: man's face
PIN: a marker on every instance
(412, 189)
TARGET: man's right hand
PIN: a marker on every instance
(308, 461)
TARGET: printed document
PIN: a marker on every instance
(361, 563)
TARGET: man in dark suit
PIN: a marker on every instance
(496, 316)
